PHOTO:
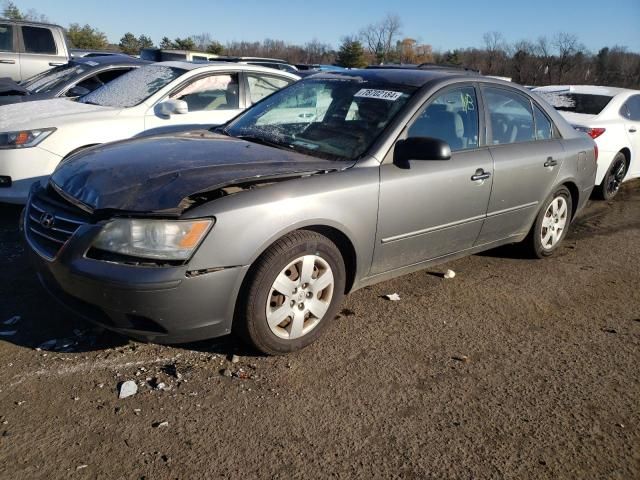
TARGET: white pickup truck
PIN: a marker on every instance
(28, 48)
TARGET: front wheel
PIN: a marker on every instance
(613, 178)
(292, 294)
(551, 224)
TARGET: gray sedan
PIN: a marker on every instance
(336, 182)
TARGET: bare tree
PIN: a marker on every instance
(380, 38)
(568, 47)
(495, 47)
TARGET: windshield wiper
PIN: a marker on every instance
(263, 141)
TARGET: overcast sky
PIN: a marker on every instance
(444, 25)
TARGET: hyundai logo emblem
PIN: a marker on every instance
(46, 220)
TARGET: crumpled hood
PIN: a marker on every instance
(42, 114)
(158, 174)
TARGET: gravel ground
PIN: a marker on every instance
(516, 368)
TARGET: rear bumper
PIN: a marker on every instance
(25, 166)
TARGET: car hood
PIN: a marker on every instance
(159, 174)
(44, 113)
(11, 87)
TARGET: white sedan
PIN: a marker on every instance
(36, 136)
(611, 116)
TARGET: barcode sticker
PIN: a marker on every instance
(379, 94)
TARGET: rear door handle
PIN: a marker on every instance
(9, 62)
(480, 175)
(632, 130)
(55, 64)
(550, 162)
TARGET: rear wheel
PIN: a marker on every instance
(551, 224)
(615, 175)
(292, 294)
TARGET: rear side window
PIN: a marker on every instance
(38, 40)
(632, 111)
(262, 85)
(544, 127)
(510, 115)
(6, 38)
(453, 117)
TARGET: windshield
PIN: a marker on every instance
(52, 79)
(337, 118)
(133, 87)
(577, 102)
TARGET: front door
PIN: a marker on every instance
(9, 56)
(212, 100)
(430, 208)
(527, 158)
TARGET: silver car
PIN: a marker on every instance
(336, 182)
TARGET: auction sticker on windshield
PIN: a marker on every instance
(380, 94)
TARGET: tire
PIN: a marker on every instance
(551, 224)
(610, 185)
(277, 312)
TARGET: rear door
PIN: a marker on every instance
(527, 155)
(9, 56)
(39, 51)
(631, 113)
(431, 208)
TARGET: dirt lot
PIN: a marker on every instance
(550, 388)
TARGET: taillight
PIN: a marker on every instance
(595, 132)
(592, 132)
(595, 151)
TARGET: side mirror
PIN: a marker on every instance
(171, 107)
(78, 91)
(420, 148)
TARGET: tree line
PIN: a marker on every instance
(559, 59)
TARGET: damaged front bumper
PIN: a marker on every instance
(162, 304)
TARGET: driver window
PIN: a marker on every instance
(215, 92)
(453, 117)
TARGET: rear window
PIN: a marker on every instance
(6, 38)
(577, 102)
(38, 40)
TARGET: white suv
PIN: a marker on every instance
(36, 136)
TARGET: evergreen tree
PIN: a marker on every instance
(129, 44)
(351, 54)
(87, 37)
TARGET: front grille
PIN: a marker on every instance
(51, 221)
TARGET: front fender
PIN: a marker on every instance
(248, 222)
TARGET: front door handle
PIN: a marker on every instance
(9, 62)
(632, 130)
(480, 175)
(55, 64)
(550, 162)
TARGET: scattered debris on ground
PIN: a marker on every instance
(394, 297)
(449, 274)
(128, 389)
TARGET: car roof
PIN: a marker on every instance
(584, 89)
(221, 66)
(414, 77)
(109, 60)
(30, 22)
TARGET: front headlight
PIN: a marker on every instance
(157, 239)
(24, 138)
